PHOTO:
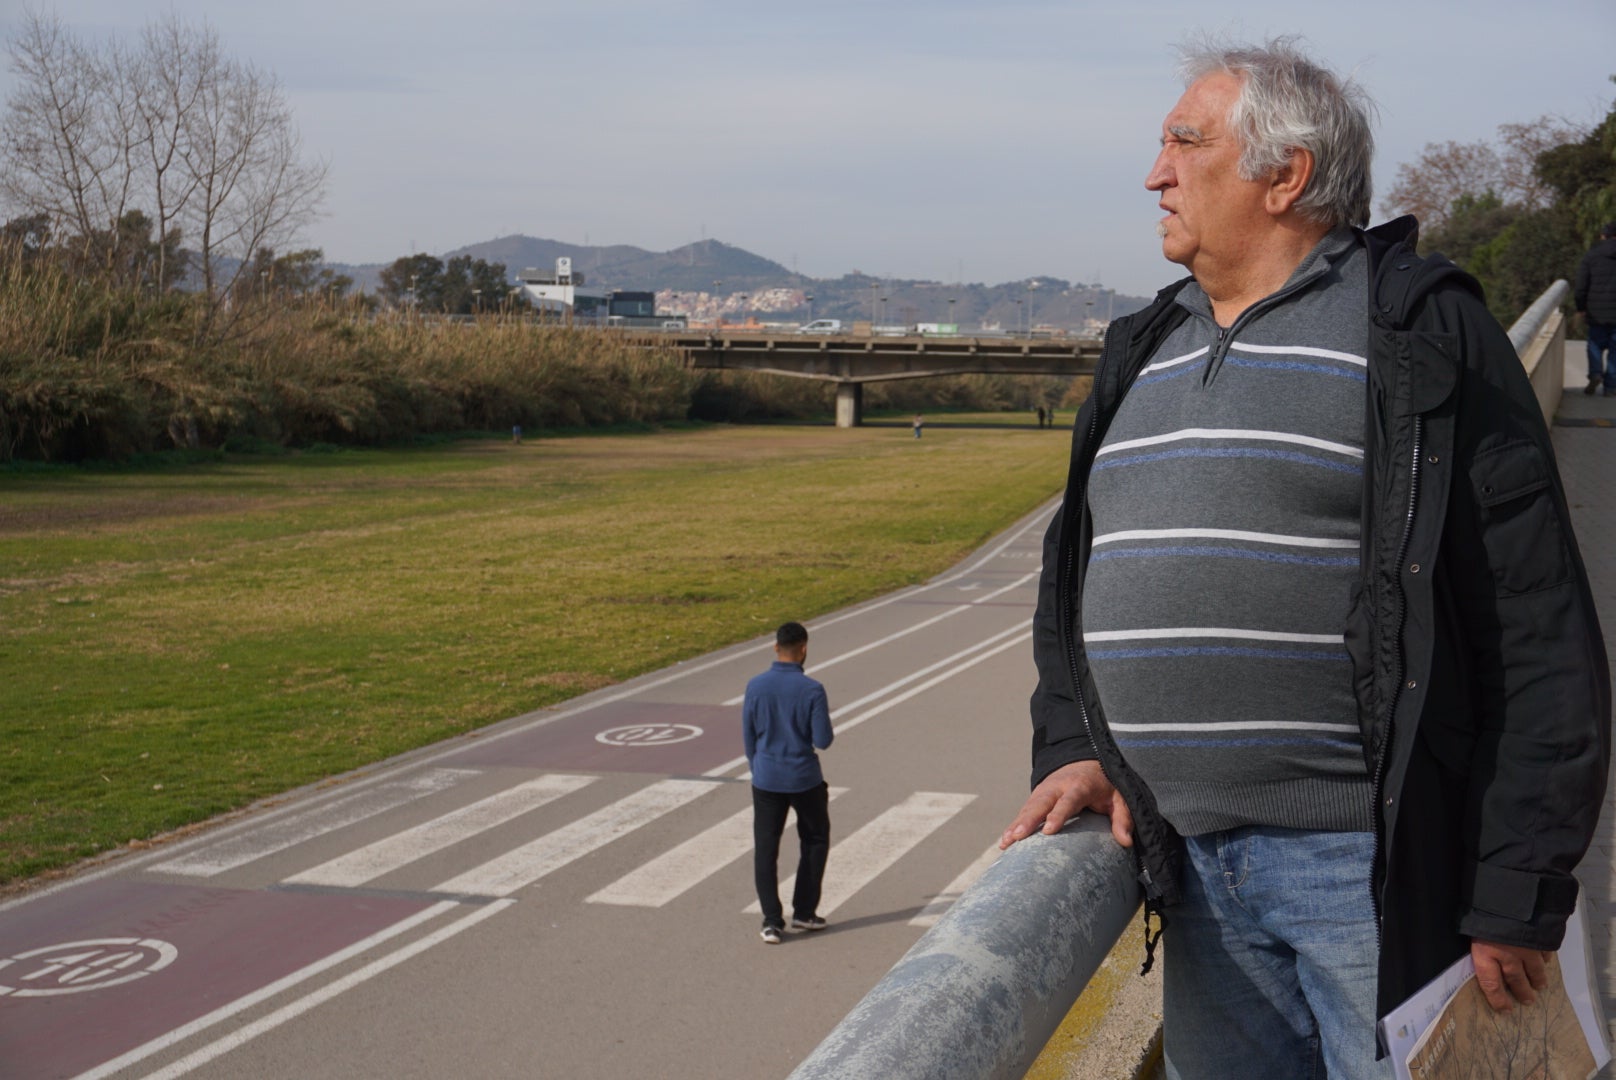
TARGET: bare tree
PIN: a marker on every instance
(243, 158)
(1449, 171)
(67, 148)
(178, 63)
(1445, 172)
(205, 141)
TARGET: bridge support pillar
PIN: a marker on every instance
(849, 404)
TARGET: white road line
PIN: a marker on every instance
(249, 1032)
(859, 859)
(836, 713)
(288, 832)
(388, 854)
(677, 871)
(954, 889)
(916, 628)
(532, 861)
(264, 993)
(1015, 642)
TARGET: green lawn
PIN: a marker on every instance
(175, 643)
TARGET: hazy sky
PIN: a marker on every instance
(928, 140)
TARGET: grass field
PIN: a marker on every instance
(178, 642)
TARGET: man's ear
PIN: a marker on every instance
(1289, 182)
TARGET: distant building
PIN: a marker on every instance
(563, 292)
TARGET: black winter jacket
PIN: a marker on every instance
(1480, 672)
(1595, 290)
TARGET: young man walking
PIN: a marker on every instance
(786, 717)
(1595, 294)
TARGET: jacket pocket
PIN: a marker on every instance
(1520, 528)
(1360, 649)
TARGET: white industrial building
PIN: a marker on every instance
(563, 292)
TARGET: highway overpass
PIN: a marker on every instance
(850, 361)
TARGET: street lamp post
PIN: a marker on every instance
(951, 321)
(810, 298)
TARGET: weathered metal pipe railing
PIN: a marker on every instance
(981, 993)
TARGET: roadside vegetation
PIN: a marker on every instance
(178, 642)
(1519, 212)
(98, 372)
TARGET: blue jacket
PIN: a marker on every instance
(785, 717)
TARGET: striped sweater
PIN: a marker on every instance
(1225, 500)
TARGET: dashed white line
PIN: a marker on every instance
(388, 854)
(532, 861)
(277, 836)
(682, 868)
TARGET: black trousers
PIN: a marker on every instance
(813, 838)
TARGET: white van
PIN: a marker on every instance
(821, 326)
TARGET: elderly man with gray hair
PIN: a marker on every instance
(1313, 629)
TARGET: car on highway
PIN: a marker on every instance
(821, 326)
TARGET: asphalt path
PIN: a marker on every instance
(565, 894)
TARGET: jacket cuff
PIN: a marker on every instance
(1048, 757)
(1515, 907)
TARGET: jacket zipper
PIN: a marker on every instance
(1397, 684)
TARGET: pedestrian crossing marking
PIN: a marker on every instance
(955, 889)
(388, 854)
(876, 845)
(532, 861)
(676, 871)
(254, 844)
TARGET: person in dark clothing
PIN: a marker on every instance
(785, 717)
(1595, 294)
(1312, 626)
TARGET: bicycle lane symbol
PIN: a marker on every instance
(649, 734)
(77, 966)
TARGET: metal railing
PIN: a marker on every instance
(1539, 338)
(982, 991)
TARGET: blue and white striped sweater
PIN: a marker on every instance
(1225, 509)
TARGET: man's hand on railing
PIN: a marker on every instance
(1063, 794)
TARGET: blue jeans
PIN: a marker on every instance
(1270, 961)
(1601, 340)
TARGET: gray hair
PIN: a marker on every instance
(1288, 102)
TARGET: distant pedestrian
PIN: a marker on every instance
(919, 423)
(516, 434)
(1596, 298)
(785, 717)
(1040, 418)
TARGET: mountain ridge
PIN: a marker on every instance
(711, 276)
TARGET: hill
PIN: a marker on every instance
(711, 278)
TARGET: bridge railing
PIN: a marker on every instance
(983, 990)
